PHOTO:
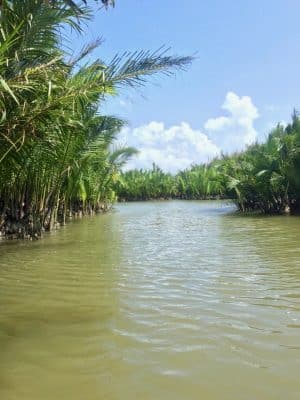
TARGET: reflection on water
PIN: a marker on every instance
(170, 300)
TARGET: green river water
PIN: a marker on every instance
(159, 300)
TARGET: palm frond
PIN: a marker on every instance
(133, 68)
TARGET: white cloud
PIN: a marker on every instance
(171, 148)
(179, 146)
(273, 124)
(235, 131)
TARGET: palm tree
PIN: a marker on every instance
(54, 142)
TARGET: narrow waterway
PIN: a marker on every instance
(160, 301)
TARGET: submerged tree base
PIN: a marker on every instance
(265, 208)
(32, 228)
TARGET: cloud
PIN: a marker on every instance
(235, 131)
(273, 124)
(171, 148)
(177, 147)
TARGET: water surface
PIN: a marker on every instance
(162, 300)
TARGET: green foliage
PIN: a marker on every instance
(56, 155)
(266, 177)
(200, 182)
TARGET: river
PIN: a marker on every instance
(160, 300)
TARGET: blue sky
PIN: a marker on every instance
(244, 80)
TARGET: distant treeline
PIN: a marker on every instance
(200, 182)
(265, 177)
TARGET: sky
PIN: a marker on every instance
(243, 81)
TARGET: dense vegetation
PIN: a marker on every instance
(265, 177)
(199, 182)
(56, 153)
(56, 156)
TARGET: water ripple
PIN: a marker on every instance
(165, 300)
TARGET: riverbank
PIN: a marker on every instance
(30, 227)
(25, 229)
(124, 200)
(248, 209)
